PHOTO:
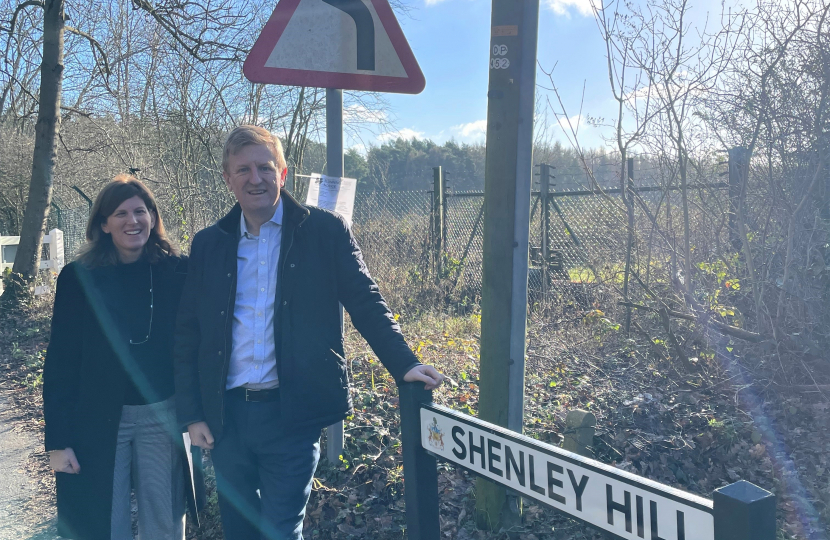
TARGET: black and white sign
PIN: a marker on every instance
(619, 502)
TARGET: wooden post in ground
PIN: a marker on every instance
(56, 254)
(580, 427)
(507, 182)
(738, 237)
(738, 162)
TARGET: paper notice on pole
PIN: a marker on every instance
(332, 193)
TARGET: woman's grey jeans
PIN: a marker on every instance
(148, 459)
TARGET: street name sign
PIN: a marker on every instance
(346, 44)
(622, 503)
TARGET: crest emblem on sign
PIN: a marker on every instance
(436, 436)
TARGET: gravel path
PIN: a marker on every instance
(24, 512)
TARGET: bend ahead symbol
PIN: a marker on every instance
(362, 17)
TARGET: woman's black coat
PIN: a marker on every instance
(84, 385)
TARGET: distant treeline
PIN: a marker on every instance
(407, 165)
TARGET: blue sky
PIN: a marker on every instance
(450, 39)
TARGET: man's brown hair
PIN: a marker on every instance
(245, 135)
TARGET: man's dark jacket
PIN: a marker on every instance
(320, 266)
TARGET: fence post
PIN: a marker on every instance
(744, 511)
(56, 252)
(438, 208)
(445, 214)
(420, 473)
(738, 162)
(544, 189)
(579, 432)
(628, 198)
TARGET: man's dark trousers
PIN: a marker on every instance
(258, 452)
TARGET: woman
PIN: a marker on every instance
(108, 377)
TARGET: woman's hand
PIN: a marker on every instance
(64, 461)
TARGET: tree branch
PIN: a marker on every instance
(94, 43)
(20, 7)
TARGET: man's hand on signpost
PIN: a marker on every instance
(200, 435)
(430, 376)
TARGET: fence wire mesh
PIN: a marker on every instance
(586, 235)
(465, 242)
(393, 230)
(72, 221)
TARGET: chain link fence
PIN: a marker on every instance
(72, 221)
(584, 232)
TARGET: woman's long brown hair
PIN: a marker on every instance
(99, 249)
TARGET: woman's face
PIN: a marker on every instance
(130, 227)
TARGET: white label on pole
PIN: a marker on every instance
(332, 193)
(617, 501)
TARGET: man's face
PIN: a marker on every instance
(254, 178)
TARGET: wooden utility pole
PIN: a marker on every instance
(507, 181)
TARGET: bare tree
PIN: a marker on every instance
(48, 122)
(204, 31)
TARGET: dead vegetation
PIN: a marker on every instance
(725, 416)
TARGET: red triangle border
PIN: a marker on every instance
(255, 70)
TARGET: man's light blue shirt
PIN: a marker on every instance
(253, 361)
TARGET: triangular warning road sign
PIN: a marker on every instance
(347, 44)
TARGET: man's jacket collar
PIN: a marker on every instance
(293, 214)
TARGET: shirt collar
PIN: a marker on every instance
(276, 219)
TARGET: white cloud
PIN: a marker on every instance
(360, 148)
(574, 122)
(404, 133)
(432, 2)
(658, 91)
(358, 113)
(471, 130)
(564, 7)
(640, 94)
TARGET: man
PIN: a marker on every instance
(259, 349)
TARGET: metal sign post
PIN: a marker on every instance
(334, 167)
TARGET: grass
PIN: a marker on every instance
(581, 274)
